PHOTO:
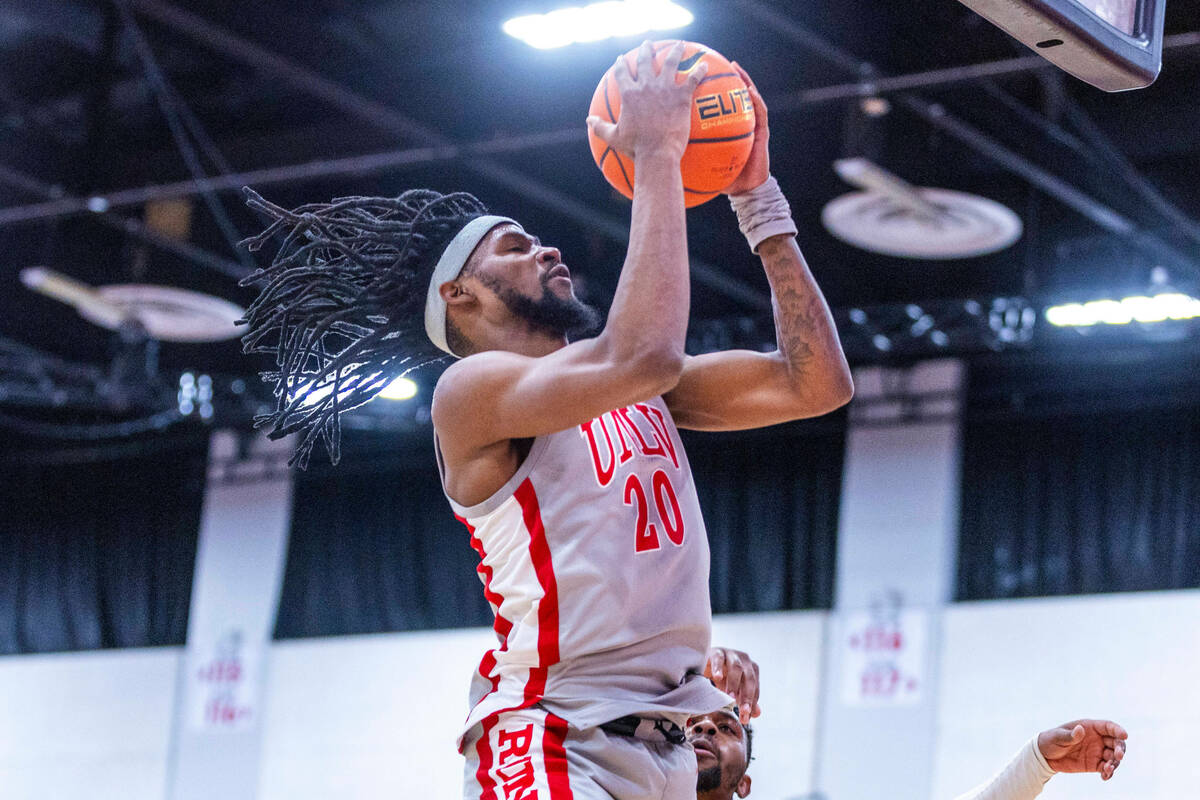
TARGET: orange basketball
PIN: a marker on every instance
(722, 125)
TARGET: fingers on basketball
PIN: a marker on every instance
(760, 106)
(620, 73)
(724, 117)
(645, 59)
(670, 63)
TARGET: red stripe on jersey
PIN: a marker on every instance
(548, 654)
(554, 754)
(501, 626)
(543, 567)
(484, 749)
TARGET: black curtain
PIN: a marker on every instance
(1090, 483)
(374, 547)
(98, 553)
(770, 500)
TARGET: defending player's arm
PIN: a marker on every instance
(1085, 745)
(495, 396)
(807, 375)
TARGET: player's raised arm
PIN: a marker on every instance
(807, 374)
(494, 396)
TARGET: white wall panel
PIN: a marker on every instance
(94, 725)
(368, 716)
(376, 716)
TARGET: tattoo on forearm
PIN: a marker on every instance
(801, 319)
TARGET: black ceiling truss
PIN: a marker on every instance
(229, 180)
(893, 332)
(879, 333)
(869, 82)
(297, 75)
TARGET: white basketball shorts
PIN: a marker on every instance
(531, 754)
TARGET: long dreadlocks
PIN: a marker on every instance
(341, 306)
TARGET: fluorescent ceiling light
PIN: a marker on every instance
(1138, 308)
(591, 23)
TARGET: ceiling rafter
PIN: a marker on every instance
(235, 47)
(938, 116)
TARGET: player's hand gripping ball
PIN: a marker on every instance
(722, 125)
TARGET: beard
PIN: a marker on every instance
(708, 779)
(557, 316)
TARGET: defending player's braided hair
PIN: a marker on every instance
(342, 305)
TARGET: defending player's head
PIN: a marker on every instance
(365, 289)
(723, 750)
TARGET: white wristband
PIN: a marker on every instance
(763, 212)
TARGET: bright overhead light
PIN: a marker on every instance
(591, 23)
(1138, 308)
(400, 389)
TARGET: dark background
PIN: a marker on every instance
(82, 117)
(1080, 472)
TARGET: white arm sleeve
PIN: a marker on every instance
(1022, 779)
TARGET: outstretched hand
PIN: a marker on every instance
(736, 674)
(1085, 745)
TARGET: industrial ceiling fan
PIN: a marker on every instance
(166, 313)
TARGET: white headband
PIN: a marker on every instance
(453, 259)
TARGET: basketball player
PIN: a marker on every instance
(723, 747)
(561, 457)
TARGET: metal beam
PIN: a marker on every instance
(872, 85)
(169, 104)
(1121, 164)
(1098, 148)
(937, 115)
(1100, 214)
(1052, 185)
(96, 103)
(130, 227)
(368, 110)
(323, 168)
(416, 156)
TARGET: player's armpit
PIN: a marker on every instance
(498, 395)
(741, 389)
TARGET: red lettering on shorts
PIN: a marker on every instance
(515, 771)
(513, 744)
(517, 780)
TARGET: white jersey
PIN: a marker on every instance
(594, 559)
